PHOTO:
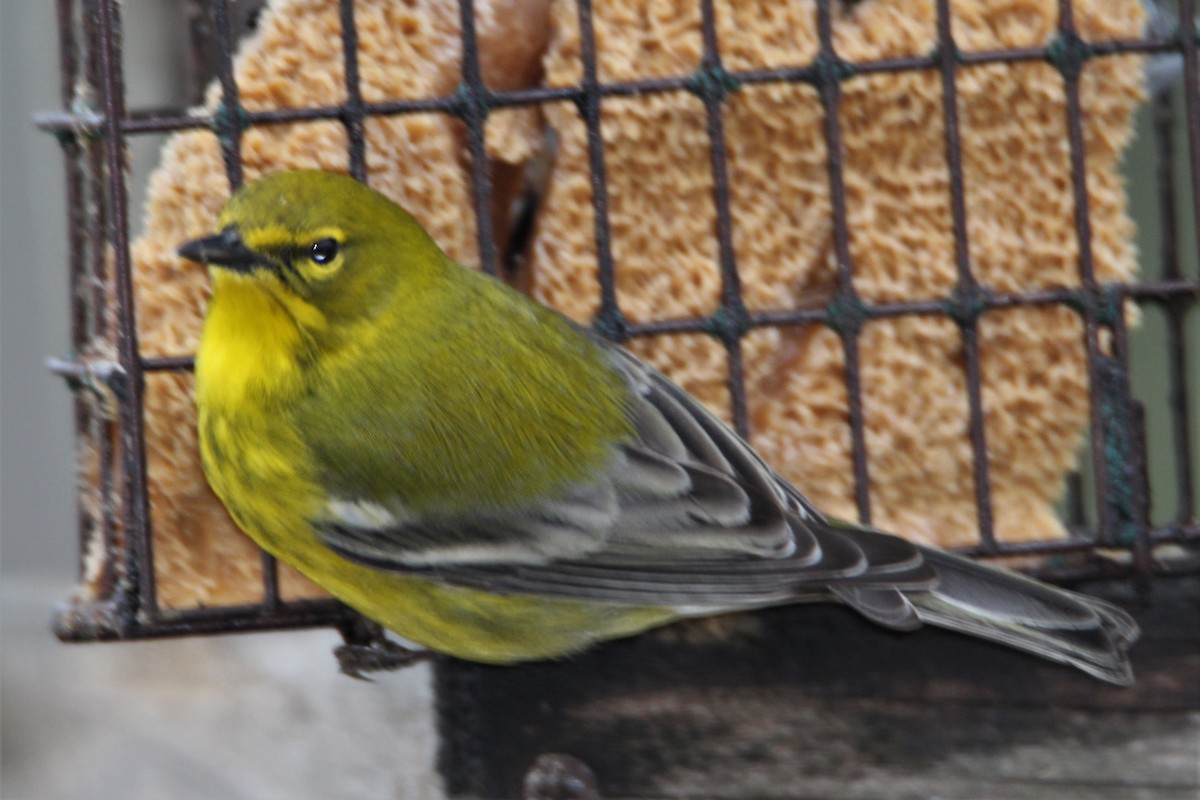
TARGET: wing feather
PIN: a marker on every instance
(686, 514)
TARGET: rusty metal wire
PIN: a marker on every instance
(94, 139)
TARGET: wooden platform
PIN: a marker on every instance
(812, 702)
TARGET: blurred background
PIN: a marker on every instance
(235, 716)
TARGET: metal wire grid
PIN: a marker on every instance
(94, 140)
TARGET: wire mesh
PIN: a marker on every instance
(95, 126)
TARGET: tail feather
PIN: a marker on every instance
(1029, 615)
(887, 607)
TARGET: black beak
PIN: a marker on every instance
(225, 249)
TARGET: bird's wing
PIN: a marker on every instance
(686, 515)
(689, 517)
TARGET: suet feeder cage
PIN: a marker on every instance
(898, 225)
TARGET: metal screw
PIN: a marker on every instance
(558, 776)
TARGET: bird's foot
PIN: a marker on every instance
(367, 649)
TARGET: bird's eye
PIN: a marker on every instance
(323, 251)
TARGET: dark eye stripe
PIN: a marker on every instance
(289, 271)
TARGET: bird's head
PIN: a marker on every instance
(325, 246)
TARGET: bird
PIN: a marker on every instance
(484, 477)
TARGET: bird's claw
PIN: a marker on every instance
(367, 649)
(382, 656)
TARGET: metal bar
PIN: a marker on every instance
(98, 206)
(135, 496)
(609, 319)
(352, 111)
(1175, 312)
(229, 118)
(1162, 291)
(96, 226)
(1070, 69)
(967, 289)
(1190, 37)
(712, 93)
(1074, 512)
(1142, 46)
(830, 92)
(105, 622)
(270, 581)
(473, 106)
(169, 120)
(1176, 533)
(68, 67)
(169, 363)
(1153, 292)
(1159, 293)
(1142, 551)
(1134, 468)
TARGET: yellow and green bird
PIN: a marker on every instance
(484, 477)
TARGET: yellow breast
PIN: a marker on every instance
(250, 366)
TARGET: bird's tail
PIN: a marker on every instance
(1020, 612)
